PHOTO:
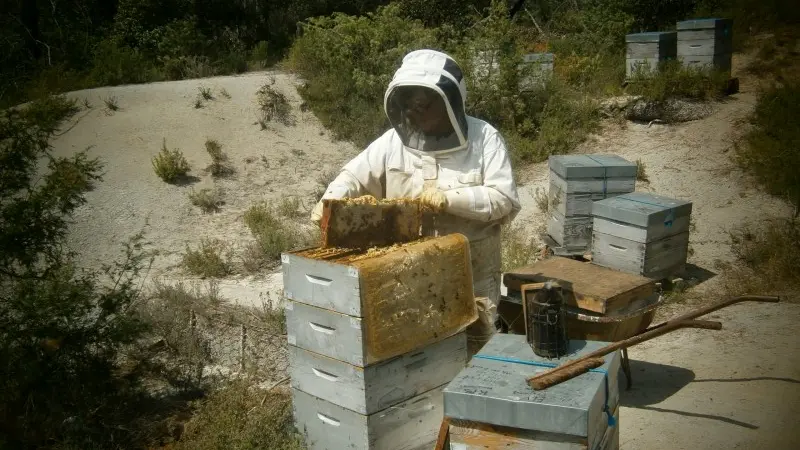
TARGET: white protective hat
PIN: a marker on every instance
(437, 71)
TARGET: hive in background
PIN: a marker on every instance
(706, 43)
(645, 51)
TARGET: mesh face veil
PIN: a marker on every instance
(425, 103)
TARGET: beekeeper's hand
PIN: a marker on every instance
(435, 199)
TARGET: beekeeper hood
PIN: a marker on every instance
(425, 103)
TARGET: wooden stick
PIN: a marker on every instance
(443, 441)
(684, 321)
(552, 378)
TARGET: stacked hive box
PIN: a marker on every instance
(490, 404)
(640, 233)
(373, 338)
(575, 182)
(644, 51)
(705, 43)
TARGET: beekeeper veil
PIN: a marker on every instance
(425, 102)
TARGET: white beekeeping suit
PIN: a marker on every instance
(465, 168)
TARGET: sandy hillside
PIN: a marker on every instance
(735, 388)
(279, 161)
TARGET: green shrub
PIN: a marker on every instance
(208, 199)
(240, 416)
(770, 150)
(771, 256)
(348, 62)
(62, 329)
(170, 165)
(273, 235)
(673, 81)
(212, 258)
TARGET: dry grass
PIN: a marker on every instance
(641, 171)
(112, 103)
(219, 160)
(241, 416)
(208, 199)
(273, 235)
(518, 248)
(770, 260)
(290, 207)
(212, 258)
(273, 106)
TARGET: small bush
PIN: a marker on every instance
(170, 165)
(323, 181)
(208, 199)
(212, 258)
(273, 105)
(205, 93)
(112, 104)
(241, 416)
(673, 81)
(219, 160)
(517, 247)
(770, 150)
(273, 236)
(289, 207)
(641, 171)
(224, 92)
(771, 256)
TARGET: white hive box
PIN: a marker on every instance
(641, 233)
(490, 404)
(410, 425)
(706, 43)
(364, 308)
(373, 388)
(644, 51)
(576, 181)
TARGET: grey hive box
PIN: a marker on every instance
(576, 181)
(644, 51)
(706, 43)
(493, 392)
(373, 388)
(410, 425)
(641, 233)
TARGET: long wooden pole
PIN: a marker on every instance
(580, 365)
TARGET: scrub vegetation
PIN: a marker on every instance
(81, 351)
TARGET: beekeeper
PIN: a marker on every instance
(455, 163)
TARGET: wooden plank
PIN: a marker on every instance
(470, 435)
(589, 286)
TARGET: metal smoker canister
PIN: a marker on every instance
(545, 319)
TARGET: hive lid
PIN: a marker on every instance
(496, 392)
(654, 36)
(641, 209)
(591, 166)
(704, 24)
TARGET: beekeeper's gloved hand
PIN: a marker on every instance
(435, 199)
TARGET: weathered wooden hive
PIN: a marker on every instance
(641, 233)
(375, 334)
(706, 43)
(576, 181)
(490, 405)
(645, 51)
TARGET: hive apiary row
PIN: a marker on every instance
(702, 43)
(576, 181)
(490, 404)
(374, 337)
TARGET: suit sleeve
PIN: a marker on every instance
(497, 197)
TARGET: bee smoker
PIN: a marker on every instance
(545, 319)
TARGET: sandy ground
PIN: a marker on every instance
(270, 164)
(735, 388)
